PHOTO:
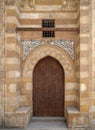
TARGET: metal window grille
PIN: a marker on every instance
(49, 26)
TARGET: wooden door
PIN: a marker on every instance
(48, 88)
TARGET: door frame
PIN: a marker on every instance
(63, 82)
(64, 59)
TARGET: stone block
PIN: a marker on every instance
(70, 103)
(20, 118)
(11, 39)
(10, 109)
(12, 88)
(84, 108)
(72, 116)
(13, 74)
(26, 80)
(28, 86)
(10, 12)
(84, 95)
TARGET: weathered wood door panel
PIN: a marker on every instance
(48, 88)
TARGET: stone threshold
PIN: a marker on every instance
(46, 119)
(47, 123)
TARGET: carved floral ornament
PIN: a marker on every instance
(24, 3)
(66, 4)
(68, 46)
(10, 2)
(70, 4)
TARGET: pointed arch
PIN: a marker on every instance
(48, 50)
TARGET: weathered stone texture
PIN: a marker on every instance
(16, 94)
(2, 57)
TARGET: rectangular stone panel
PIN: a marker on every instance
(10, 12)
(2, 74)
(48, 2)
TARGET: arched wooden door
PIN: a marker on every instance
(48, 88)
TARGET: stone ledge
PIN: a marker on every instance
(72, 112)
(20, 118)
(22, 110)
(76, 119)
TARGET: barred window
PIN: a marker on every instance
(48, 23)
(48, 34)
(49, 26)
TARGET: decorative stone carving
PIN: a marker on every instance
(49, 50)
(85, 2)
(26, 4)
(64, 2)
(29, 45)
(10, 2)
(68, 46)
(69, 5)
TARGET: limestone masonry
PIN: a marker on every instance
(74, 24)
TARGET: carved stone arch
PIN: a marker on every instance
(61, 56)
(48, 50)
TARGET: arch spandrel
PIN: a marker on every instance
(48, 50)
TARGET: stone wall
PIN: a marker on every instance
(18, 73)
(2, 59)
(66, 62)
(15, 114)
(84, 55)
(83, 67)
(67, 20)
(19, 81)
(12, 60)
(92, 65)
